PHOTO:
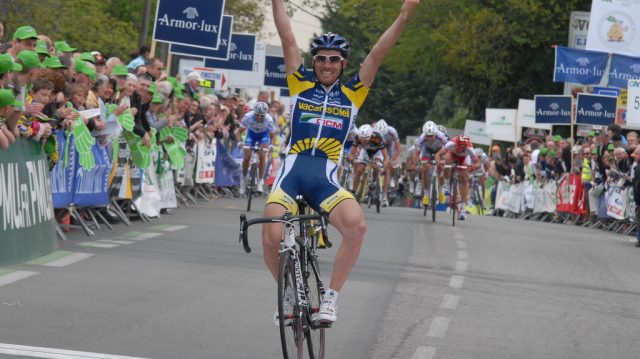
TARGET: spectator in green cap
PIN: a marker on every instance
(63, 47)
(86, 56)
(24, 38)
(120, 73)
(8, 105)
(7, 66)
(29, 60)
(155, 115)
(42, 50)
(53, 62)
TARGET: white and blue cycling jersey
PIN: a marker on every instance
(258, 131)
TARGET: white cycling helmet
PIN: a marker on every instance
(429, 128)
(382, 127)
(261, 108)
(365, 131)
(442, 129)
(479, 151)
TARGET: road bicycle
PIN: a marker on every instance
(476, 192)
(433, 191)
(371, 183)
(346, 173)
(252, 183)
(454, 180)
(298, 271)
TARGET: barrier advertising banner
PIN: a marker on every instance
(194, 23)
(477, 130)
(613, 27)
(222, 53)
(501, 124)
(26, 208)
(579, 66)
(553, 109)
(596, 109)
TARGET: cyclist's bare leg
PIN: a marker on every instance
(426, 179)
(271, 237)
(348, 219)
(464, 185)
(245, 161)
(263, 160)
(387, 175)
(357, 174)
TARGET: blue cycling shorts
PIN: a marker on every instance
(257, 138)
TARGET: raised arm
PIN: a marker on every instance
(292, 57)
(373, 61)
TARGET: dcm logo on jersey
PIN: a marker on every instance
(334, 115)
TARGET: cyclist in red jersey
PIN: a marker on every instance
(460, 150)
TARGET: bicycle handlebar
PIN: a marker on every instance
(286, 218)
(456, 167)
(256, 148)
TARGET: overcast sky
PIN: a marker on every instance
(304, 26)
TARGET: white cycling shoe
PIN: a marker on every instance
(328, 312)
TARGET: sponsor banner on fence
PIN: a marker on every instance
(553, 109)
(633, 104)
(241, 54)
(622, 69)
(501, 124)
(62, 174)
(206, 162)
(478, 132)
(194, 23)
(26, 208)
(613, 27)
(570, 195)
(579, 66)
(91, 188)
(222, 53)
(596, 109)
(527, 115)
(275, 73)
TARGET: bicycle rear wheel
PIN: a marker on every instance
(315, 337)
(434, 198)
(478, 200)
(291, 324)
(377, 194)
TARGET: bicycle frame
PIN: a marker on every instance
(453, 188)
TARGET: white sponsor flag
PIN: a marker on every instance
(477, 130)
(501, 124)
(527, 115)
(613, 27)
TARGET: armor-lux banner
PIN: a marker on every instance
(579, 66)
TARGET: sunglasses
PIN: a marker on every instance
(332, 59)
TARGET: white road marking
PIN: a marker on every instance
(97, 245)
(147, 235)
(67, 260)
(464, 255)
(456, 281)
(49, 353)
(424, 353)
(461, 266)
(458, 235)
(113, 241)
(438, 327)
(174, 228)
(462, 245)
(15, 276)
(450, 302)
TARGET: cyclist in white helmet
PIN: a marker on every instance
(369, 146)
(261, 130)
(392, 143)
(430, 142)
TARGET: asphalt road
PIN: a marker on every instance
(182, 287)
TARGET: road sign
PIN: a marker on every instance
(222, 53)
(194, 23)
(633, 104)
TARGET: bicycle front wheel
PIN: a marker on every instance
(251, 185)
(434, 198)
(291, 323)
(315, 335)
(453, 200)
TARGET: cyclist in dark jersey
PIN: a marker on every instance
(323, 111)
(368, 146)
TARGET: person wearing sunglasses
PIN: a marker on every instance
(323, 112)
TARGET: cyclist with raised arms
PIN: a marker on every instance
(323, 111)
(392, 143)
(368, 146)
(460, 150)
(261, 130)
(429, 143)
